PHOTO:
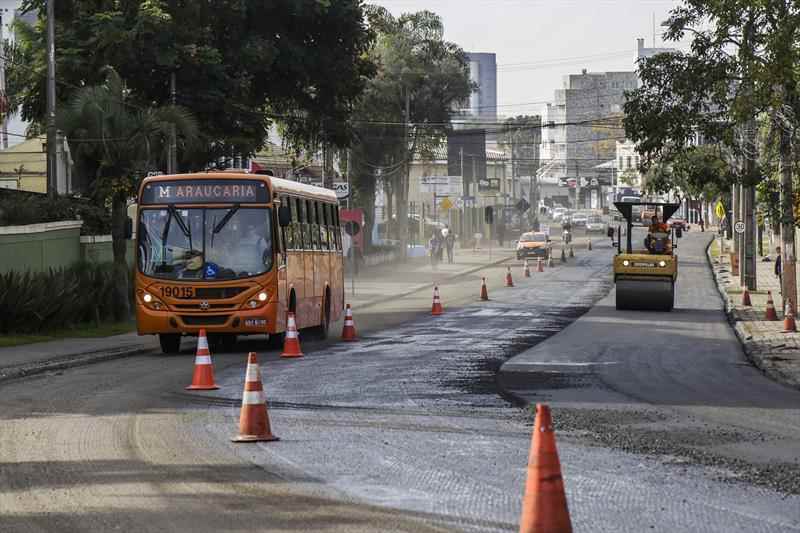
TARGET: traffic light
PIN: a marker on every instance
(488, 215)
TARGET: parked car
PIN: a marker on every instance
(579, 220)
(533, 244)
(559, 213)
(595, 224)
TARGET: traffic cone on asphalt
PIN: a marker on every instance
(540, 267)
(526, 271)
(203, 377)
(349, 329)
(253, 418)
(746, 298)
(544, 506)
(484, 292)
(563, 255)
(590, 245)
(437, 308)
(788, 320)
(571, 251)
(509, 279)
(770, 314)
(291, 343)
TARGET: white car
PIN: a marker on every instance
(558, 213)
(595, 224)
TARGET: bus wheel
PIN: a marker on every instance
(170, 343)
(321, 332)
(275, 341)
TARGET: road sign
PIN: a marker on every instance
(446, 203)
(342, 189)
(719, 209)
(739, 227)
(441, 185)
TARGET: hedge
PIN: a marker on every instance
(58, 299)
(23, 209)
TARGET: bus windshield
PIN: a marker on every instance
(205, 243)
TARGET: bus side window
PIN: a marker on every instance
(289, 231)
(323, 242)
(325, 212)
(312, 224)
(337, 229)
(300, 235)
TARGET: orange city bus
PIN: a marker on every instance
(232, 253)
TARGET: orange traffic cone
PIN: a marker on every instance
(484, 292)
(203, 378)
(253, 418)
(788, 320)
(291, 344)
(349, 329)
(746, 298)
(437, 308)
(527, 271)
(541, 265)
(509, 280)
(771, 314)
(544, 507)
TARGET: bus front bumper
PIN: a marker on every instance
(239, 321)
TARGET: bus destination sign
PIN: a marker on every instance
(205, 191)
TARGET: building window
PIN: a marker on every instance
(620, 163)
(629, 162)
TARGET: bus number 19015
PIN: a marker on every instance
(177, 292)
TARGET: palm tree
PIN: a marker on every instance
(114, 143)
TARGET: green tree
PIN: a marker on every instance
(742, 64)
(239, 64)
(421, 74)
(117, 142)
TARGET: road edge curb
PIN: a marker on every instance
(63, 362)
(756, 359)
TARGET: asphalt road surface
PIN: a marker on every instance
(406, 431)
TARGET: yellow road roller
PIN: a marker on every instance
(645, 278)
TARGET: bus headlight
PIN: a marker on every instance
(262, 297)
(147, 297)
(252, 304)
(150, 301)
(662, 263)
(626, 263)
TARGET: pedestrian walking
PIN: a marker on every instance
(702, 225)
(779, 267)
(435, 247)
(449, 243)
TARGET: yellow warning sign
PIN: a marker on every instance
(719, 209)
(446, 204)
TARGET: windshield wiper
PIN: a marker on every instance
(184, 228)
(225, 219)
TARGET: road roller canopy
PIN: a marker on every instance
(626, 209)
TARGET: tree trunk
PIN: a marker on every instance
(119, 220)
(789, 258)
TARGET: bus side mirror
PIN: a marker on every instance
(284, 216)
(678, 233)
(128, 228)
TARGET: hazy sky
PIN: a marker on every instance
(539, 41)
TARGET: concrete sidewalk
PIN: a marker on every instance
(774, 352)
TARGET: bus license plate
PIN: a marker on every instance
(255, 322)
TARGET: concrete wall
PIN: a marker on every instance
(38, 247)
(98, 249)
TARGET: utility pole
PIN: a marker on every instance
(172, 158)
(789, 259)
(3, 86)
(52, 163)
(749, 264)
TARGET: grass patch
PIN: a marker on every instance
(80, 332)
